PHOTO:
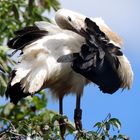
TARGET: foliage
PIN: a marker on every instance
(30, 118)
(34, 121)
(5, 62)
(15, 14)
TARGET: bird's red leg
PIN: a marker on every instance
(61, 120)
(78, 114)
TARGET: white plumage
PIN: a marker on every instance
(38, 67)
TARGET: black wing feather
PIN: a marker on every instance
(67, 58)
(26, 30)
(97, 59)
(25, 37)
(15, 92)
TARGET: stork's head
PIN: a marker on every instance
(70, 20)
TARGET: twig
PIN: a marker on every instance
(21, 135)
(11, 130)
(4, 131)
(9, 122)
(105, 120)
(107, 117)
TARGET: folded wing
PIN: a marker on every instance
(98, 59)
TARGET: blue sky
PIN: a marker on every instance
(123, 16)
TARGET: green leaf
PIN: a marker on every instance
(8, 108)
(4, 49)
(15, 10)
(124, 137)
(98, 124)
(115, 122)
(70, 127)
(31, 6)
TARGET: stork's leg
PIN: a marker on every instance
(61, 121)
(78, 114)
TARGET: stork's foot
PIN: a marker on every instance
(62, 126)
(77, 119)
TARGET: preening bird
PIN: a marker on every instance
(65, 57)
(100, 60)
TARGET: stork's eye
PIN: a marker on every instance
(69, 18)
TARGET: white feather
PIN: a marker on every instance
(125, 72)
(22, 69)
(39, 68)
(50, 27)
(40, 58)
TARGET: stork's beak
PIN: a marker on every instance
(70, 20)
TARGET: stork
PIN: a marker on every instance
(46, 47)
